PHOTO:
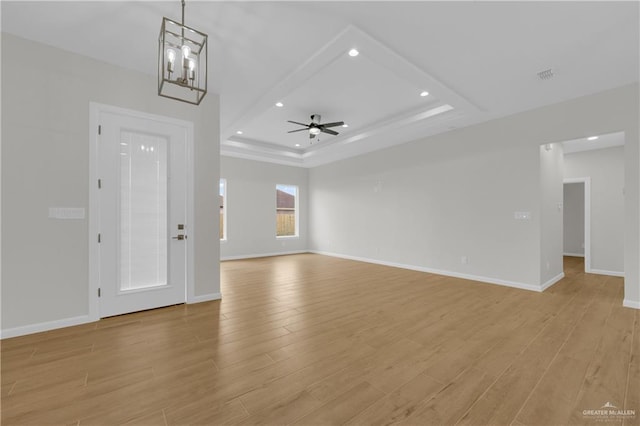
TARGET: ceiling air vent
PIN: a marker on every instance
(546, 74)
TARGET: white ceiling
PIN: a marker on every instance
(478, 60)
(584, 144)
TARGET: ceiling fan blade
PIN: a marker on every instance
(334, 124)
(331, 132)
(299, 124)
(299, 130)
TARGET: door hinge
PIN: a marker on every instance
(99, 238)
(99, 293)
(99, 183)
(99, 129)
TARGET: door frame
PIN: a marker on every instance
(95, 110)
(587, 218)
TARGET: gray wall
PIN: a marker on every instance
(251, 208)
(429, 202)
(606, 168)
(573, 219)
(45, 162)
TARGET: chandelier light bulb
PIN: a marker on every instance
(186, 51)
(192, 67)
(171, 55)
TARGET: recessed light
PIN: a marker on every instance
(424, 93)
(239, 132)
(353, 53)
(279, 104)
(345, 125)
(297, 144)
(592, 138)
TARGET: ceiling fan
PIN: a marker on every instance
(315, 127)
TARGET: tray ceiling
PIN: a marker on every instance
(477, 60)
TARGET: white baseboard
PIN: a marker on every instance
(635, 304)
(552, 281)
(83, 319)
(479, 278)
(205, 298)
(44, 326)
(253, 256)
(573, 254)
(605, 272)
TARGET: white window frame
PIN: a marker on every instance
(297, 211)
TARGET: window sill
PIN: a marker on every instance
(287, 237)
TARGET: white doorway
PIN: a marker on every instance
(577, 219)
(140, 211)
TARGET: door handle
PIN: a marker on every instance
(180, 237)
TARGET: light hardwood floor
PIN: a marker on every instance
(309, 339)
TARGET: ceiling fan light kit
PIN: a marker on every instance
(182, 62)
(315, 127)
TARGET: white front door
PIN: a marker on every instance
(142, 169)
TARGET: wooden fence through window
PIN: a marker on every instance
(285, 224)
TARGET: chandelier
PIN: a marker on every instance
(182, 62)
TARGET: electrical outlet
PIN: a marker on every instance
(464, 260)
(522, 215)
(66, 213)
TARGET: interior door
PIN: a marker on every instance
(142, 198)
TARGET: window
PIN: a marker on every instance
(286, 211)
(223, 209)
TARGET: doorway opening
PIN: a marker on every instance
(577, 221)
(593, 202)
